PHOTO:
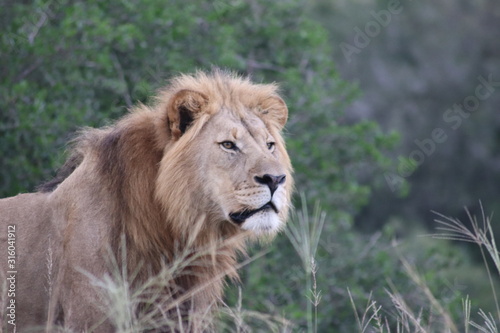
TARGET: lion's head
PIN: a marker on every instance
(231, 159)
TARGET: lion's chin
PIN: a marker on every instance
(263, 222)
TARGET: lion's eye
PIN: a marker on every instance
(270, 145)
(228, 145)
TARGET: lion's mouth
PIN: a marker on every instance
(241, 217)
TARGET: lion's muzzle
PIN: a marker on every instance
(241, 217)
(262, 204)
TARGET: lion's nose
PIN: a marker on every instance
(270, 180)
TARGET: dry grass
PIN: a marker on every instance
(374, 318)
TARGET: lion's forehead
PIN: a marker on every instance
(251, 120)
(240, 126)
(257, 129)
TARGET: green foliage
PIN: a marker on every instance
(82, 63)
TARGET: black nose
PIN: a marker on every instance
(272, 181)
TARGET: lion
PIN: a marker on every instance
(199, 172)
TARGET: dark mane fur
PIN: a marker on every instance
(64, 172)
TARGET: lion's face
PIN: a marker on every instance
(227, 159)
(244, 173)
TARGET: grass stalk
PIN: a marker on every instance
(483, 236)
(304, 233)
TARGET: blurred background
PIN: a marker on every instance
(394, 114)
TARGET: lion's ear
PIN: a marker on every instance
(182, 110)
(274, 109)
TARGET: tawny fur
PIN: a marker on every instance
(159, 179)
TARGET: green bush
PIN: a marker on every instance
(83, 63)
